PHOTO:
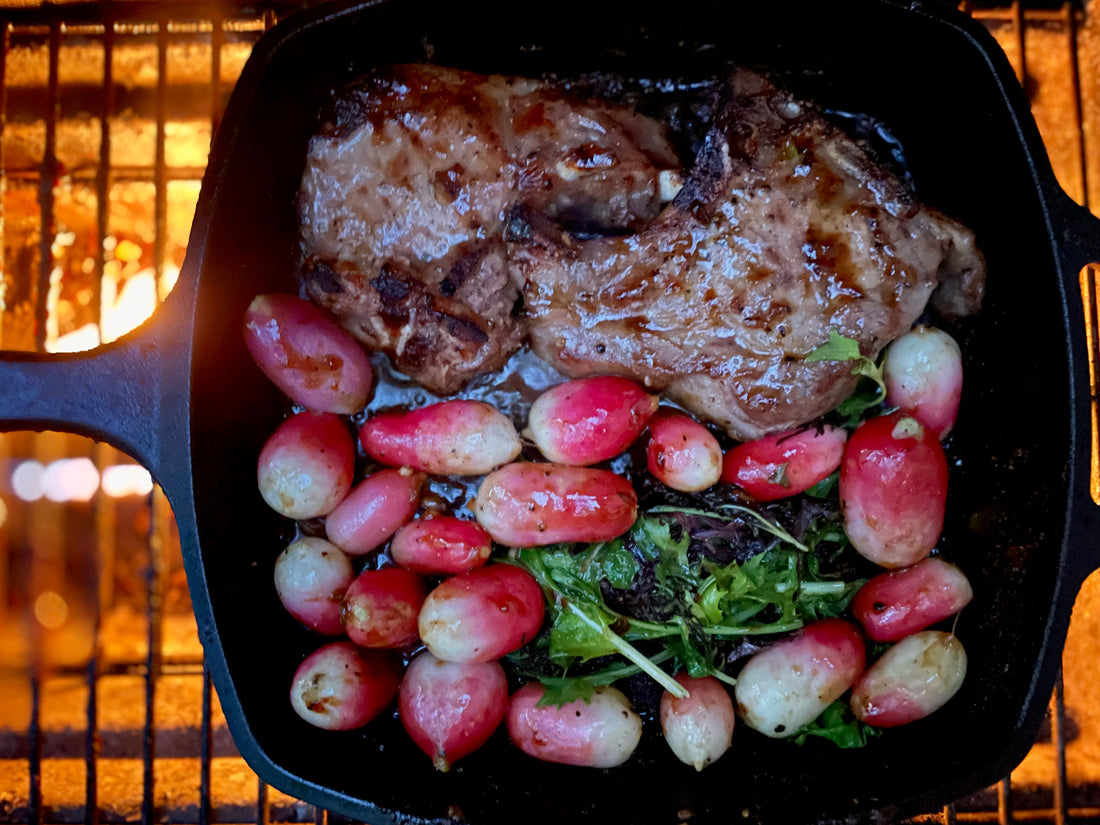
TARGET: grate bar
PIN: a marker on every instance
(160, 208)
(103, 173)
(34, 733)
(47, 176)
(91, 741)
(154, 617)
(263, 806)
(5, 35)
(1004, 802)
(118, 174)
(207, 748)
(143, 12)
(1019, 28)
(1078, 96)
(1057, 735)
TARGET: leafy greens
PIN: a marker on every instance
(871, 392)
(705, 605)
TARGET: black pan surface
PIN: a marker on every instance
(183, 396)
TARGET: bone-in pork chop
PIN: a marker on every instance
(406, 188)
(783, 231)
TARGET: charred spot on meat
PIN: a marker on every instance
(783, 231)
(408, 185)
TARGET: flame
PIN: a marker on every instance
(133, 306)
(123, 310)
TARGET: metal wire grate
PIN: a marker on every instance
(107, 110)
(129, 729)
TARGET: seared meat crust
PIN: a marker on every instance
(405, 192)
(783, 231)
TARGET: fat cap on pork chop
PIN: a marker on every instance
(783, 231)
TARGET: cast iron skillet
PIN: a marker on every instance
(182, 396)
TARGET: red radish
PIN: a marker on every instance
(898, 603)
(784, 464)
(443, 544)
(374, 510)
(341, 687)
(600, 733)
(589, 420)
(530, 504)
(789, 684)
(682, 453)
(450, 709)
(482, 615)
(912, 679)
(381, 607)
(306, 355)
(699, 727)
(449, 438)
(923, 374)
(306, 466)
(893, 489)
(311, 577)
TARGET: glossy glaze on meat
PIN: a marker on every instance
(783, 231)
(406, 189)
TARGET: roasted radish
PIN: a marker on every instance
(910, 680)
(306, 355)
(311, 577)
(893, 489)
(443, 544)
(374, 510)
(449, 438)
(600, 733)
(450, 709)
(789, 684)
(784, 464)
(589, 420)
(482, 615)
(699, 727)
(682, 453)
(923, 374)
(306, 466)
(341, 687)
(530, 504)
(381, 607)
(895, 604)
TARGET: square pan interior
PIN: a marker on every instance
(932, 85)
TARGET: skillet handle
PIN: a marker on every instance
(1078, 233)
(132, 393)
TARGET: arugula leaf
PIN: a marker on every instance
(581, 619)
(838, 348)
(839, 725)
(563, 689)
(867, 395)
(826, 599)
(571, 638)
(826, 487)
(870, 393)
